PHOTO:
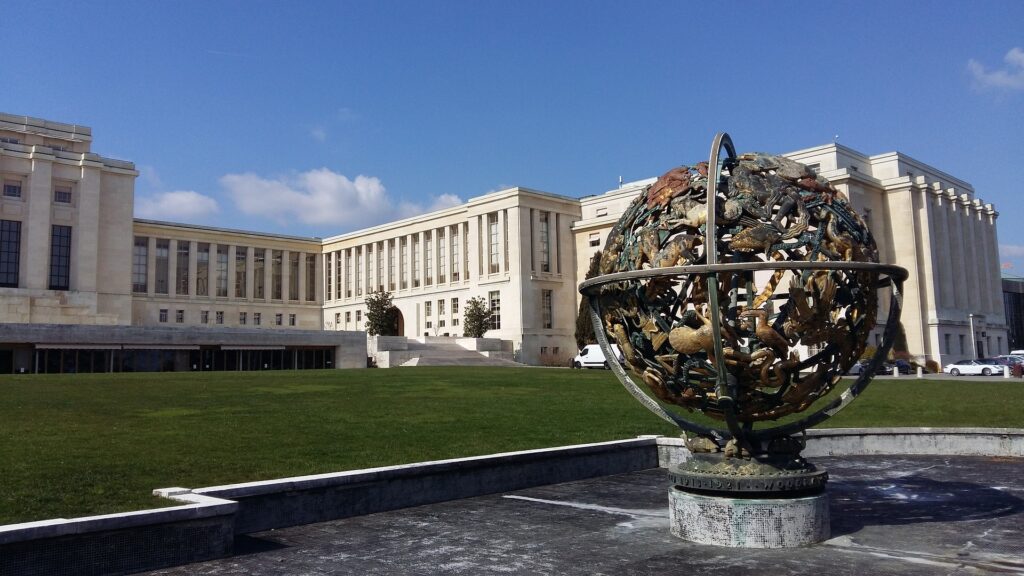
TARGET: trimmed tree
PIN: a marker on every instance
(380, 314)
(475, 318)
(584, 327)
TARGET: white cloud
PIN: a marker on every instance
(176, 205)
(1010, 77)
(323, 196)
(1011, 251)
(319, 133)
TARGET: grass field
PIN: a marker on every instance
(98, 443)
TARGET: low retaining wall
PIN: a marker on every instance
(121, 543)
(205, 527)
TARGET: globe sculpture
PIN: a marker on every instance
(742, 288)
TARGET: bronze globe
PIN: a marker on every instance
(743, 288)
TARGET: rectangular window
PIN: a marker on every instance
(163, 314)
(455, 306)
(427, 307)
(546, 307)
(430, 324)
(359, 316)
(349, 260)
(380, 266)
(202, 269)
(337, 320)
(62, 194)
(276, 264)
(543, 240)
(181, 268)
(368, 260)
(494, 298)
(163, 249)
(12, 188)
(222, 271)
(453, 234)
(257, 318)
(259, 275)
(291, 319)
(293, 276)
(338, 265)
(10, 252)
(140, 264)
(329, 278)
(416, 261)
(404, 262)
(60, 258)
(241, 257)
(961, 344)
(204, 316)
(359, 256)
(243, 317)
(391, 265)
(949, 346)
(441, 264)
(440, 323)
(440, 307)
(595, 239)
(492, 243)
(220, 317)
(455, 321)
(348, 317)
(179, 316)
(278, 319)
(310, 277)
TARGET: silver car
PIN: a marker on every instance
(982, 366)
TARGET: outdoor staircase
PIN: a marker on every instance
(442, 352)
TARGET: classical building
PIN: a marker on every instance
(85, 287)
(923, 219)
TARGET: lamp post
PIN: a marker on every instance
(974, 344)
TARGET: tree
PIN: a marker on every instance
(475, 318)
(584, 327)
(380, 314)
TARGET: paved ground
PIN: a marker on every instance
(890, 515)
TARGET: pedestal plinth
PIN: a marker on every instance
(749, 522)
(774, 501)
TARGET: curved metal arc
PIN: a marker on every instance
(726, 388)
(896, 273)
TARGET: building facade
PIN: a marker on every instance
(71, 254)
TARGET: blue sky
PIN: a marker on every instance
(317, 118)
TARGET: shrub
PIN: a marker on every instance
(475, 318)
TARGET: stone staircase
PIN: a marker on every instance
(437, 352)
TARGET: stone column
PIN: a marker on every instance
(36, 232)
(85, 234)
(193, 267)
(250, 259)
(151, 267)
(302, 277)
(172, 268)
(286, 275)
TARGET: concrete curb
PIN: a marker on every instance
(205, 527)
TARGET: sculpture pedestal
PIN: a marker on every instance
(779, 522)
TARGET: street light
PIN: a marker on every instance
(974, 347)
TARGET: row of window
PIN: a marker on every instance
(399, 263)
(243, 317)
(218, 270)
(61, 192)
(10, 259)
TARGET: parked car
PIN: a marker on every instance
(884, 368)
(982, 366)
(591, 356)
(1010, 360)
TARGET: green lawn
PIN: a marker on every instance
(97, 443)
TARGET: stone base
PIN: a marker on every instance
(749, 522)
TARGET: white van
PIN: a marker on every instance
(591, 356)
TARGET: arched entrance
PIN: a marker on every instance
(398, 328)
